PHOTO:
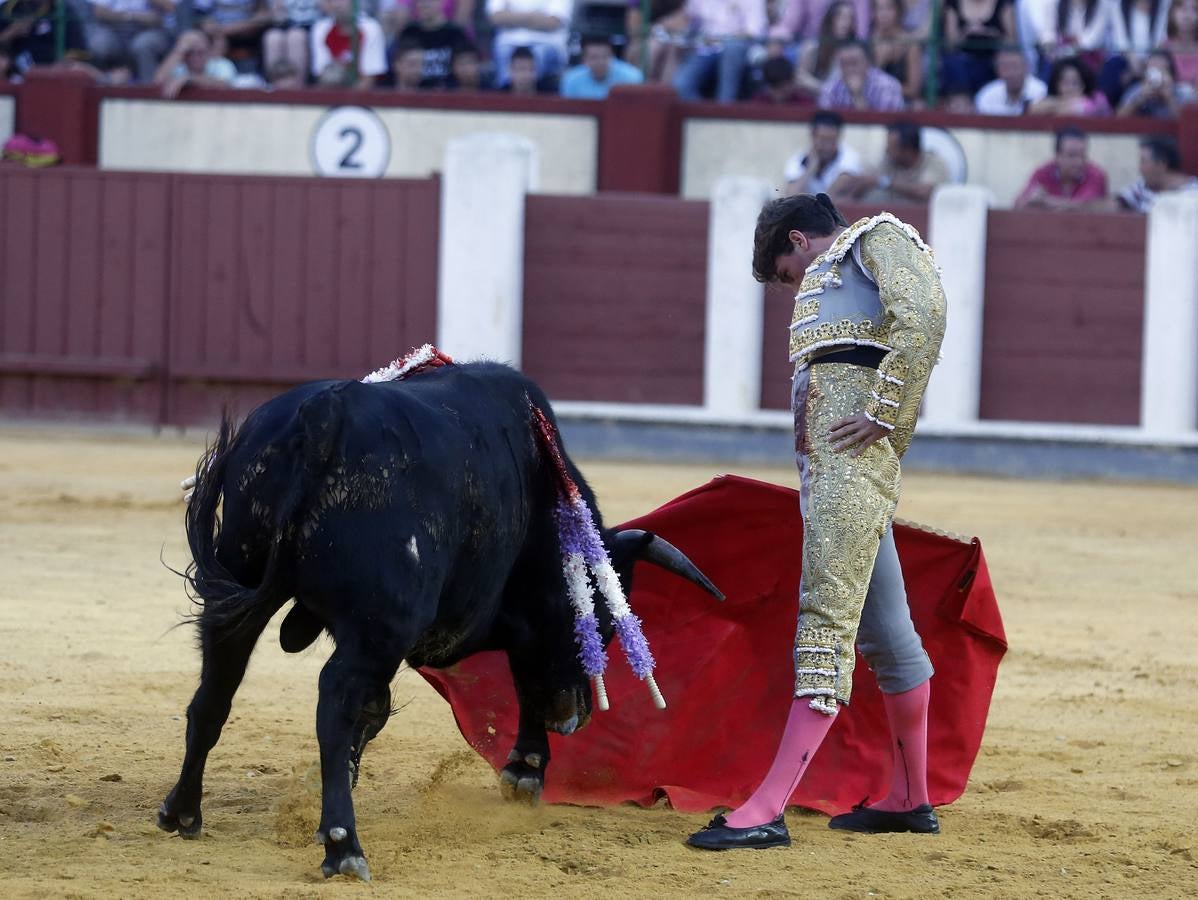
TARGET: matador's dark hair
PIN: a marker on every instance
(813, 214)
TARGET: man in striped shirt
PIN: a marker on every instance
(860, 84)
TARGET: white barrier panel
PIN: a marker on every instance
(1000, 160)
(8, 117)
(732, 338)
(480, 285)
(1169, 371)
(279, 139)
(957, 235)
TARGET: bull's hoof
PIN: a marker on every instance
(353, 866)
(521, 781)
(188, 826)
(342, 853)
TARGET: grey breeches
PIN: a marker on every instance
(886, 636)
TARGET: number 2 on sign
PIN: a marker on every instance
(348, 161)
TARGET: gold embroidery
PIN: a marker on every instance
(850, 501)
(913, 298)
(846, 331)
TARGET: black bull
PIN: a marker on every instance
(411, 520)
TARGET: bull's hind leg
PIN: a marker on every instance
(353, 682)
(225, 656)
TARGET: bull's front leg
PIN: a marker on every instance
(523, 778)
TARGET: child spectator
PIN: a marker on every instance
(332, 48)
(466, 70)
(542, 26)
(724, 30)
(599, 71)
(287, 40)
(1158, 95)
(778, 88)
(408, 66)
(522, 75)
(860, 85)
(192, 62)
(1014, 90)
(1071, 92)
(1160, 171)
(1069, 182)
(437, 36)
(818, 55)
(896, 50)
(137, 28)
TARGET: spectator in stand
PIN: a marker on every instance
(778, 88)
(288, 38)
(668, 24)
(896, 49)
(239, 24)
(1069, 182)
(906, 174)
(193, 62)
(1072, 92)
(819, 169)
(466, 69)
(1158, 95)
(599, 71)
(1015, 89)
(817, 57)
(522, 75)
(1160, 171)
(393, 15)
(803, 20)
(1056, 29)
(1183, 40)
(284, 75)
(437, 36)
(724, 30)
(540, 25)
(860, 85)
(973, 32)
(407, 66)
(332, 47)
(28, 38)
(134, 27)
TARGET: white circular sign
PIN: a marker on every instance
(350, 142)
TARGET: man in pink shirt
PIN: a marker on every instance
(1070, 181)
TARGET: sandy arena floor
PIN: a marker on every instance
(1087, 784)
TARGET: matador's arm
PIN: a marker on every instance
(914, 304)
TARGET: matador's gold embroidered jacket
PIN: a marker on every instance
(886, 294)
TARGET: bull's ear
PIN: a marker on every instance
(651, 548)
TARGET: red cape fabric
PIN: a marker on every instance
(727, 674)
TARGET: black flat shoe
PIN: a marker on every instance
(719, 835)
(921, 820)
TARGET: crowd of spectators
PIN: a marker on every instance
(995, 57)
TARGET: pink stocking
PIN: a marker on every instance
(805, 731)
(907, 714)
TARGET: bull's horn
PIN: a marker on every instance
(660, 552)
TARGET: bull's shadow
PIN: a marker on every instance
(411, 520)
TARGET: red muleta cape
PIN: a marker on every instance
(727, 674)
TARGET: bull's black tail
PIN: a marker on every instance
(228, 605)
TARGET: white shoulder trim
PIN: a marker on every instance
(849, 237)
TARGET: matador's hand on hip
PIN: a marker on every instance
(855, 433)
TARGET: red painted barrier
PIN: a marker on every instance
(614, 295)
(1063, 322)
(160, 298)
